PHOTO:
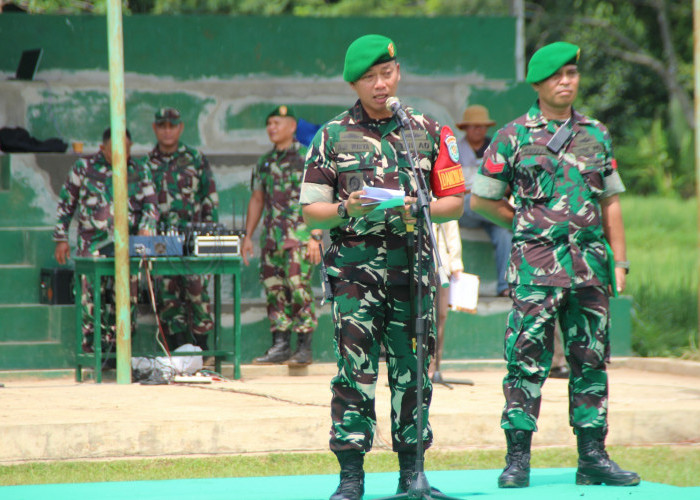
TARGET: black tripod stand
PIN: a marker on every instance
(420, 488)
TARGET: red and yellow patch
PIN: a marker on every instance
(451, 177)
(493, 168)
(447, 177)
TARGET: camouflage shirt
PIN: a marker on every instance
(88, 191)
(558, 237)
(185, 186)
(352, 151)
(278, 175)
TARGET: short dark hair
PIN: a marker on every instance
(107, 134)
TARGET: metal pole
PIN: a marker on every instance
(696, 69)
(121, 231)
(517, 9)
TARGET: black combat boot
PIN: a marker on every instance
(407, 468)
(352, 477)
(407, 474)
(302, 356)
(594, 464)
(517, 471)
(278, 353)
(202, 341)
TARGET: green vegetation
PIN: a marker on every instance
(662, 248)
(680, 465)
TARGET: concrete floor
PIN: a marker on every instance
(270, 410)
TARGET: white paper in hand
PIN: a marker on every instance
(464, 292)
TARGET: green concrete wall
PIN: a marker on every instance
(194, 47)
(225, 73)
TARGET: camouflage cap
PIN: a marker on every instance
(282, 110)
(364, 53)
(547, 60)
(171, 115)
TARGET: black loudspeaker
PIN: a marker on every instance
(56, 286)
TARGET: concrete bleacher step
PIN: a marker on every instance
(20, 284)
(26, 245)
(13, 246)
(35, 332)
(44, 355)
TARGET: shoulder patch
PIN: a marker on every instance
(493, 168)
(452, 148)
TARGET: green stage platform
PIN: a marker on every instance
(551, 484)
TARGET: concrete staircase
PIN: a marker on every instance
(32, 334)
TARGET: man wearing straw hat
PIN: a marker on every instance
(475, 123)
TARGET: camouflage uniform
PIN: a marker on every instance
(559, 264)
(368, 262)
(88, 192)
(284, 269)
(186, 193)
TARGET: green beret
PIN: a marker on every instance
(547, 60)
(364, 53)
(171, 115)
(282, 111)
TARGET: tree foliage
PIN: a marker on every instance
(637, 77)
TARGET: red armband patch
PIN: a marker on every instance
(614, 164)
(493, 168)
(447, 177)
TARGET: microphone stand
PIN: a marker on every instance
(420, 488)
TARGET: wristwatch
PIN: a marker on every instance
(342, 211)
(623, 264)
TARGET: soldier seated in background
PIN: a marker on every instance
(186, 193)
(88, 194)
(289, 249)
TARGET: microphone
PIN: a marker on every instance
(394, 105)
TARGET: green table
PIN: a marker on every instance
(94, 268)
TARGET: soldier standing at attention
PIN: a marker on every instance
(186, 193)
(88, 193)
(289, 249)
(568, 234)
(368, 259)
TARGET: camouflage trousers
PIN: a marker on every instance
(107, 312)
(367, 317)
(529, 346)
(286, 277)
(185, 307)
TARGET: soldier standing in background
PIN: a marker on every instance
(186, 193)
(368, 259)
(568, 254)
(88, 193)
(289, 249)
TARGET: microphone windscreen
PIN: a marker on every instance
(392, 104)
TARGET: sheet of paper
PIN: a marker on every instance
(464, 292)
(382, 198)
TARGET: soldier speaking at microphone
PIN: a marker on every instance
(368, 259)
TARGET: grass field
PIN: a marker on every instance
(676, 465)
(663, 250)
